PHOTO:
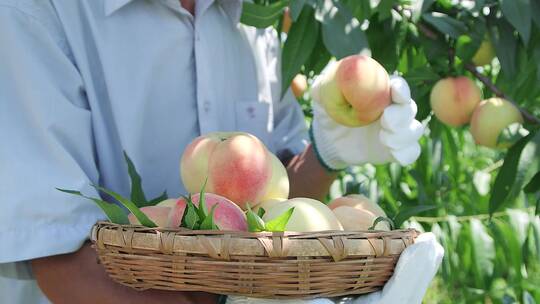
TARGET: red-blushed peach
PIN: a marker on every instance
(227, 215)
(490, 118)
(237, 165)
(357, 212)
(453, 100)
(308, 215)
(365, 85)
(357, 201)
(156, 214)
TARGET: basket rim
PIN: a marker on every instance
(397, 233)
(222, 245)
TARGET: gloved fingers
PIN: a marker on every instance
(403, 137)
(407, 155)
(399, 89)
(395, 116)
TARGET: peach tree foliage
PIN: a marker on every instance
(482, 203)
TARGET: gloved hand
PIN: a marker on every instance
(393, 137)
(415, 269)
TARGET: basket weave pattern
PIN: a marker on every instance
(266, 265)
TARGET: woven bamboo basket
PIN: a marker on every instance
(265, 265)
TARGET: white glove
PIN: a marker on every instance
(393, 137)
(415, 269)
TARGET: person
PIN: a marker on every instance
(82, 81)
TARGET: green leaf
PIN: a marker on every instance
(518, 13)
(298, 46)
(261, 16)
(158, 199)
(141, 217)
(295, 8)
(511, 135)
(534, 184)
(419, 7)
(483, 251)
(280, 222)
(506, 236)
(341, 32)
(255, 222)
(507, 175)
(535, 8)
(137, 193)
(190, 219)
(202, 210)
(382, 219)
(261, 212)
(113, 212)
(208, 222)
(504, 41)
(405, 213)
(445, 24)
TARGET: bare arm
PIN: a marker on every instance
(308, 177)
(78, 278)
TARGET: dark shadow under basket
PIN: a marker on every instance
(266, 265)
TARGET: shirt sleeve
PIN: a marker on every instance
(46, 143)
(290, 135)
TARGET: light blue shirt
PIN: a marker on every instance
(83, 80)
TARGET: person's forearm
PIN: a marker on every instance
(308, 177)
(78, 278)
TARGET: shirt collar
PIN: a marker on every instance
(233, 8)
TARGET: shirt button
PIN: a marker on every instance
(206, 106)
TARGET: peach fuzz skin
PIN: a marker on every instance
(238, 167)
(157, 214)
(357, 212)
(453, 100)
(365, 85)
(227, 215)
(490, 118)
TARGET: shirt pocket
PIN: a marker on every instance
(255, 118)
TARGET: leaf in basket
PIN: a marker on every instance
(202, 210)
(190, 219)
(382, 219)
(113, 212)
(141, 217)
(255, 222)
(158, 199)
(280, 222)
(137, 193)
(261, 212)
(208, 223)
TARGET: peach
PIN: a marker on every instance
(278, 186)
(485, 53)
(156, 214)
(490, 118)
(453, 100)
(299, 85)
(287, 21)
(357, 212)
(237, 165)
(365, 85)
(167, 203)
(267, 204)
(227, 215)
(308, 215)
(354, 91)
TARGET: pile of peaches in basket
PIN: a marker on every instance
(236, 184)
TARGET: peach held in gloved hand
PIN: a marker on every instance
(361, 115)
